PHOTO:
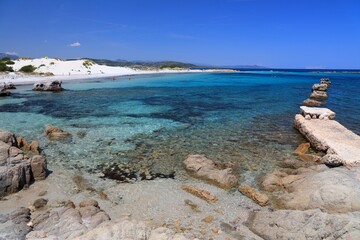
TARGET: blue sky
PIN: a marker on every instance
(272, 33)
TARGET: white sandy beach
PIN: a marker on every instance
(73, 70)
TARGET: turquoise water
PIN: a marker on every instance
(158, 120)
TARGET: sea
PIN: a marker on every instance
(241, 117)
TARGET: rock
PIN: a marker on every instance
(325, 81)
(66, 222)
(14, 225)
(54, 133)
(124, 229)
(4, 93)
(333, 190)
(308, 117)
(254, 195)
(203, 194)
(318, 95)
(312, 103)
(332, 160)
(8, 85)
(302, 148)
(38, 167)
(320, 87)
(89, 202)
(310, 224)
(318, 112)
(7, 137)
(40, 203)
(163, 233)
(204, 168)
(208, 219)
(52, 86)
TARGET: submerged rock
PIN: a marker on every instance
(200, 193)
(219, 174)
(55, 133)
(254, 195)
(15, 224)
(4, 93)
(52, 86)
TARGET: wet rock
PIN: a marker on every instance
(14, 225)
(325, 81)
(200, 193)
(52, 86)
(40, 203)
(7, 137)
(310, 224)
(54, 133)
(201, 167)
(89, 202)
(39, 167)
(312, 103)
(254, 195)
(4, 93)
(302, 148)
(8, 85)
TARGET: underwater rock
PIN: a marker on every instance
(14, 225)
(219, 174)
(200, 193)
(4, 93)
(52, 86)
(254, 195)
(55, 133)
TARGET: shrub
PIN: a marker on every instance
(4, 68)
(9, 62)
(42, 65)
(52, 63)
(27, 69)
(5, 59)
(88, 63)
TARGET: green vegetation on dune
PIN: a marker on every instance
(3, 65)
(27, 69)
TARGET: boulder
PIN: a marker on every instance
(310, 224)
(8, 85)
(52, 86)
(54, 133)
(4, 93)
(40, 203)
(325, 81)
(7, 137)
(332, 160)
(219, 174)
(333, 190)
(254, 195)
(38, 167)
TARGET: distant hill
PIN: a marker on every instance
(245, 67)
(11, 56)
(143, 64)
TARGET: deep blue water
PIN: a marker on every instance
(241, 117)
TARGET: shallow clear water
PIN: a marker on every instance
(241, 117)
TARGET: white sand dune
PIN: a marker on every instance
(71, 70)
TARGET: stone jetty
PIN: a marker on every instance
(318, 94)
(342, 146)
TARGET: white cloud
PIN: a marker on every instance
(11, 53)
(75, 44)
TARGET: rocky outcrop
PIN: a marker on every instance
(51, 86)
(310, 224)
(333, 190)
(55, 133)
(33, 148)
(8, 85)
(17, 170)
(219, 174)
(254, 195)
(14, 225)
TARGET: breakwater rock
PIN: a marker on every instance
(318, 94)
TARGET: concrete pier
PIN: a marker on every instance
(331, 137)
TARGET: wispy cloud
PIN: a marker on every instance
(11, 53)
(181, 36)
(75, 44)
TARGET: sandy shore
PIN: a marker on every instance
(78, 69)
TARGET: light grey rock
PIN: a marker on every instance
(38, 167)
(14, 224)
(201, 167)
(310, 224)
(52, 86)
(332, 160)
(7, 137)
(333, 190)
